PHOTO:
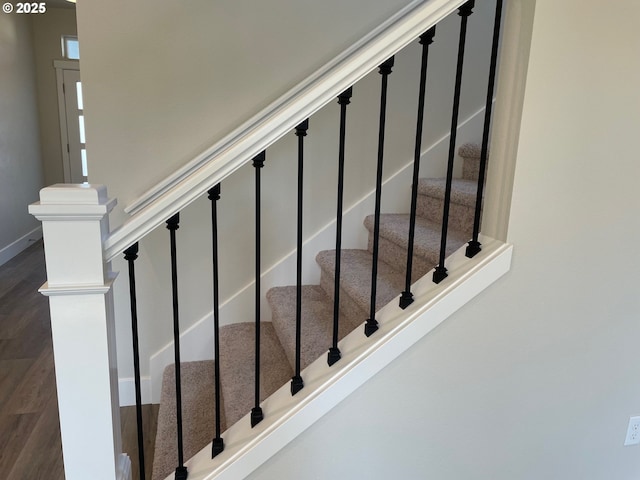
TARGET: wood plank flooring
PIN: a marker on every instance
(30, 446)
(130, 436)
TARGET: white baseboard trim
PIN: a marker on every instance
(286, 416)
(14, 248)
(127, 391)
(197, 341)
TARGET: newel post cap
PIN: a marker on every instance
(65, 201)
(81, 193)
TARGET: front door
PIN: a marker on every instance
(73, 118)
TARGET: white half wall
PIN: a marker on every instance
(20, 165)
(537, 377)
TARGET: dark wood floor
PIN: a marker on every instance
(30, 447)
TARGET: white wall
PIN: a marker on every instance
(537, 377)
(162, 83)
(20, 167)
(47, 32)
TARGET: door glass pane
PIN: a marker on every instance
(83, 156)
(81, 125)
(79, 91)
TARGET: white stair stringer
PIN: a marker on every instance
(286, 417)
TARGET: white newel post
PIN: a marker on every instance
(75, 223)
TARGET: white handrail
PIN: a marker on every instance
(212, 166)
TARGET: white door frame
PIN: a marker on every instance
(61, 66)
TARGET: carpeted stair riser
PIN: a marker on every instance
(470, 168)
(390, 252)
(461, 209)
(355, 281)
(348, 307)
(393, 244)
(470, 154)
(460, 216)
(236, 384)
(316, 322)
(198, 414)
(237, 367)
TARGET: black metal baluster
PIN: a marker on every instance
(214, 196)
(256, 411)
(464, 11)
(296, 382)
(172, 226)
(130, 255)
(474, 245)
(343, 100)
(372, 324)
(426, 39)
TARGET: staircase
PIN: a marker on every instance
(251, 372)
(278, 336)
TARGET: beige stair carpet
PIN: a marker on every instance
(198, 415)
(278, 337)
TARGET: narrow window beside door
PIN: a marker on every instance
(70, 47)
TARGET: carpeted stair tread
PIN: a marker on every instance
(470, 150)
(394, 228)
(198, 415)
(316, 322)
(463, 191)
(237, 367)
(355, 279)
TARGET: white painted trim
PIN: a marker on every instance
(69, 213)
(507, 116)
(66, 64)
(57, 291)
(62, 118)
(127, 390)
(17, 246)
(287, 416)
(239, 147)
(197, 342)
